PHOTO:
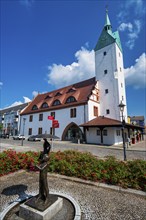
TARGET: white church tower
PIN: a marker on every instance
(109, 72)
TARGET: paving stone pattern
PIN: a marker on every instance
(96, 203)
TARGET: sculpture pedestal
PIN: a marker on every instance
(29, 209)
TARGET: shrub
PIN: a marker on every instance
(83, 165)
(11, 161)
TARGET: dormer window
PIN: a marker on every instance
(44, 105)
(34, 107)
(71, 99)
(71, 90)
(58, 94)
(48, 97)
(56, 102)
(104, 53)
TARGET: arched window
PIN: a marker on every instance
(44, 105)
(34, 107)
(56, 102)
(58, 94)
(48, 97)
(70, 99)
(71, 90)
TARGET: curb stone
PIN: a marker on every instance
(102, 185)
(97, 184)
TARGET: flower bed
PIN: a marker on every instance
(10, 161)
(131, 174)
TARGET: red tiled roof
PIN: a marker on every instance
(81, 92)
(102, 121)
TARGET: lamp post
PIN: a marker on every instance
(121, 106)
(24, 119)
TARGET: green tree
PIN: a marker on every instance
(1, 127)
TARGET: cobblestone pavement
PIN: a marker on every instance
(137, 151)
(96, 203)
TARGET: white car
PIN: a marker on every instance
(19, 137)
(33, 138)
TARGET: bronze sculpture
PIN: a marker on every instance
(43, 196)
(43, 200)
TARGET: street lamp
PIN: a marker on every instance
(24, 119)
(121, 106)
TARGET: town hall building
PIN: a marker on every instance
(86, 110)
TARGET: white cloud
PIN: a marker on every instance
(125, 26)
(35, 93)
(137, 7)
(133, 28)
(26, 99)
(136, 75)
(15, 104)
(1, 84)
(60, 75)
(132, 31)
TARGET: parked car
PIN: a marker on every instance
(19, 137)
(4, 136)
(33, 138)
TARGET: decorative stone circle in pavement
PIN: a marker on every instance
(96, 203)
(70, 211)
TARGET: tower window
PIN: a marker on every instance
(105, 71)
(120, 69)
(119, 54)
(107, 111)
(104, 53)
(121, 85)
(95, 109)
(106, 91)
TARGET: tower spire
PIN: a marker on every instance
(107, 21)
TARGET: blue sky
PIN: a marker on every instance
(49, 44)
